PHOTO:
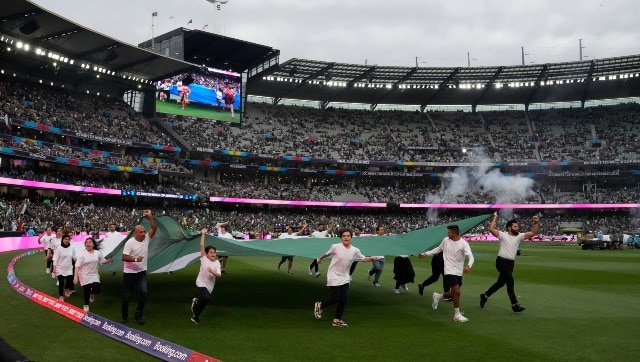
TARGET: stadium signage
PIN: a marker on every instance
(397, 174)
(359, 162)
(156, 194)
(611, 162)
(37, 156)
(585, 174)
(235, 165)
(101, 138)
(204, 149)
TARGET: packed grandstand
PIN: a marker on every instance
(61, 135)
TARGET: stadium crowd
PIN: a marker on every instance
(20, 214)
(601, 133)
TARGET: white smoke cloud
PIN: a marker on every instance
(481, 183)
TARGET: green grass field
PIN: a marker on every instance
(581, 306)
(197, 110)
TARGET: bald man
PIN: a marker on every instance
(134, 256)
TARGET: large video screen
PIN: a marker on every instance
(209, 93)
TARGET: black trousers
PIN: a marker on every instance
(203, 299)
(338, 296)
(505, 268)
(131, 281)
(88, 289)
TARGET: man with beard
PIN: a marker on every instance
(509, 243)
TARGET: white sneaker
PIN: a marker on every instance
(86, 308)
(436, 299)
(193, 305)
(460, 318)
(317, 310)
(92, 298)
(310, 272)
(405, 287)
(48, 271)
(57, 282)
(53, 275)
(318, 274)
(396, 291)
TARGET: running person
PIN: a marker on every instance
(183, 91)
(87, 271)
(378, 264)
(229, 95)
(342, 256)
(320, 232)
(63, 258)
(437, 269)
(45, 240)
(454, 249)
(289, 235)
(505, 262)
(206, 280)
(135, 256)
(221, 228)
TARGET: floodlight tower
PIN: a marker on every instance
(217, 5)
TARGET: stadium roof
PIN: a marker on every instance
(217, 51)
(122, 66)
(25, 22)
(372, 84)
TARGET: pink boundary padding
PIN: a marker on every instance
(31, 242)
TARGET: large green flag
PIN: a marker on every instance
(173, 247)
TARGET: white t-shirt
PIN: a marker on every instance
(45, 240)
(225, 235)
(290, 236)
(453, 253)
(63, 260)
(113, 235)
(341, 260)
(509, 244)
(134, 249)
(88, 265)
(206, 279)
(54, 243)
(319, 234)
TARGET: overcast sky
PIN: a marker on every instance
(394, 33)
